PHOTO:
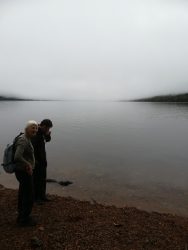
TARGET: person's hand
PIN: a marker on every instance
(29, 169)
(48, 133)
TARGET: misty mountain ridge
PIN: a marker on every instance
(159, 98)
(13, 98)
(16, 98)
(165, 98)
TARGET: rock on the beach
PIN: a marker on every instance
(41, 228)
(36, 242)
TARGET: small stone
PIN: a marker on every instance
(58, 245)
(36, 242)
(41, 228)
(118, 225)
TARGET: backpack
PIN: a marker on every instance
(8, 159)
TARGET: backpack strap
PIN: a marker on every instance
(17, 137)
(15, 141)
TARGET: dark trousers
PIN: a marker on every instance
(39, 175)
(25, 195)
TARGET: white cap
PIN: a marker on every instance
(31, 123)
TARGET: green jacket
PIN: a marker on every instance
(24, 153)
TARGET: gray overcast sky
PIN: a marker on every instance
(93, 49)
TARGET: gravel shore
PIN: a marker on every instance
(69, 224)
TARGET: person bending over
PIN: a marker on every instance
(40, 172)
(25, 163)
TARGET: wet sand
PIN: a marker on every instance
(150, 198)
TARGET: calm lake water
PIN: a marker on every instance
(116, 153)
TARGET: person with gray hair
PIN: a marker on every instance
(25, 163)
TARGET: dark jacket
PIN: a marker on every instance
(39, 148)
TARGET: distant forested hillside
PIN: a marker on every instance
(10, 98)
(166, 98)
(13, 98)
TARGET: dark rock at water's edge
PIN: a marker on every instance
(62, 183)
(65, 183)
(166, 98)
(51, 181)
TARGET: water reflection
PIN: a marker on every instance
(114, 152)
